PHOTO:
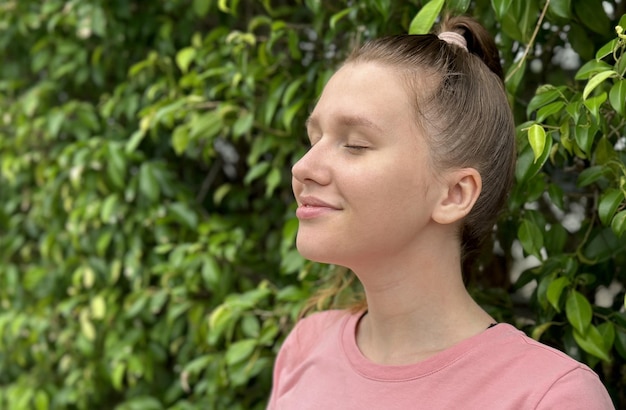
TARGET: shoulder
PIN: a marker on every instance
(559, 379)
(315, 326)
(508, 338)
(312, 330)
(311, 337)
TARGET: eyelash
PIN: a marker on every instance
(356, 147)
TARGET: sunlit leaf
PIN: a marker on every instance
(596, 80)
(537, 140)
(555, 290)
(425, 18)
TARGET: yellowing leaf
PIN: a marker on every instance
(98, 307)
(537, 140)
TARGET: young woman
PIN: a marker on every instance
(412, 154)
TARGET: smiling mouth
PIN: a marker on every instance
(311, 208)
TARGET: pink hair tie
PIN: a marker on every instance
(451, 37)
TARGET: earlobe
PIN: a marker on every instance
(459, 194)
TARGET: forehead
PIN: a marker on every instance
(366, 95)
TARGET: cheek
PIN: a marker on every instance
(398, 185)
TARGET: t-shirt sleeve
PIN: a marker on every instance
(579, 389)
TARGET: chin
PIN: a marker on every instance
(319, 252)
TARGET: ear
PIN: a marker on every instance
(460, 190)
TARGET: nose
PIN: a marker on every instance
(313, 167)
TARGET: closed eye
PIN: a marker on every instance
(356, 147)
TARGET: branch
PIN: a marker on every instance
(530, 43)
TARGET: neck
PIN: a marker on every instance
(417, 306)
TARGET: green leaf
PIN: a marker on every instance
(338, 16)
(184, 214)
(250, 326)
(549, 110)
(98, 307)
(605, 152)
(272, 181)
(592, 343)
(561, 8)
(515, 77)
(591, 175)
(556, 239)
(596, 80)
(530, 237)
(240, 351)
(540, 330)
(148, 184)
(42, 402)
(55, 122)
(243, 124)
(617, 96)
(291, 112)
(109, 208)
(584, 136)
(134, 140)
(605, 244)
(219, 320)
(578, 311)
(501, 7)
(545, 95)
(458, 6)
(606, 49)
(620, 342)
(98, 21)
(201, 7)
(256, 171)
(608, 203)
(274, 97)
(618, 224)
(210, 271)
(591, 68)
(591, 13)
(593, 104)
(116, 165)
(117, 376)
(423, 21)
(86, 326)
(555, 192)
(180, 139)
(537, 140)
(527, 166)
(607, 331)
(555, 290)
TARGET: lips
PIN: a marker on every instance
(311, 207)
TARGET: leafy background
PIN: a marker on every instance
(146, 217)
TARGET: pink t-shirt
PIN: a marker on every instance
(321, 367)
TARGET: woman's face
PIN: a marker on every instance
(365, 188)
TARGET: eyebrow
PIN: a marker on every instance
(347, 120)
